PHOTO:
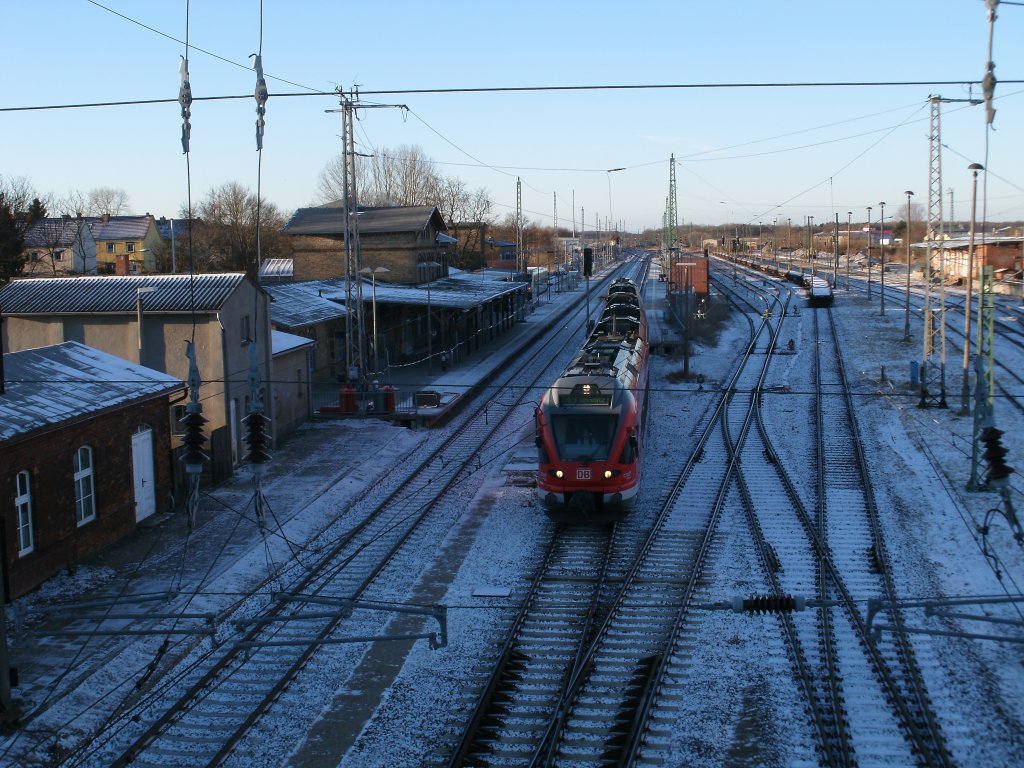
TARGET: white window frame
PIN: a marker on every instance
(23, 513)
(85, 487)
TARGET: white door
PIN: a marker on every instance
(145, 481)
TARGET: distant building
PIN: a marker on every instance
(402, 239)
(125, 245)
(60, 246)
(84, 455)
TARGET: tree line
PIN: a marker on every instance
(223, 234)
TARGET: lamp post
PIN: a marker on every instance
(430, 327)
(881, 259)
(789, 238)
(373, 288)
(869, 253)
(906, 308)
(965, 394)
(849, 222)
(810, 241)
(139, 292)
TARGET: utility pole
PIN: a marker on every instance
(933, 365)
(672, 211)
(355, 327)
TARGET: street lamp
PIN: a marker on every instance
(849, 222)
(810, 241)
(869, 253)
(906, 311)
(139, 292)
(373, 288)
(881, 258)
(965, 403)
(430, 328)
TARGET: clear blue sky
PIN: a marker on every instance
(744, 154)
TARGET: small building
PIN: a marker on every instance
(292, 398)
(60, 246)
(85, 454)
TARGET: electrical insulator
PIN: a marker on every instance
(995, 456)
(194, 439)
(769, 604)
(257, 438)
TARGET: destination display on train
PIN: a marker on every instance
(585, 394)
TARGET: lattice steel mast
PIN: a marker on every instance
(671, 210)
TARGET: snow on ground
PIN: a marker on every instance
(739, 701)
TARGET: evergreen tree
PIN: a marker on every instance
(12, 251)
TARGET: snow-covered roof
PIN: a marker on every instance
(297, 305)
(281, 342)
(50, 385)
(463, 291)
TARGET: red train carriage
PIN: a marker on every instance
(589, 423)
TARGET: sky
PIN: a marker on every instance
(743, 154)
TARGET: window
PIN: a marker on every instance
(110, 247)
(245, 329)
(129, 247)
(85, 498)
(23, 517)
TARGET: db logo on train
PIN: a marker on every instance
(583, 473)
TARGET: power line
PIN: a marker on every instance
(524, 89)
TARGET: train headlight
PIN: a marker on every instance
(608, 474)
(558, 474)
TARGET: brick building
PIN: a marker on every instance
(402, 239)
(82, 459)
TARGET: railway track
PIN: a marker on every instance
(834, 554)
(597, 706)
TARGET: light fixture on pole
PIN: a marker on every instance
(431, 265)
(849, 223)
(906, 310)
(373, 288)
(965, 393)
(881, 258)
(869, 253)
(139, 292)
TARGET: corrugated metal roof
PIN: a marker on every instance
(330, 220)
(51, 385)
(118, 294)
(461, 291)
(277, 268)
(298, 305)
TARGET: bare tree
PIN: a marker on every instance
(107, 201)
(224, 235)
(402, 176)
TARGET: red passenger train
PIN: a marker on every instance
(589, 423)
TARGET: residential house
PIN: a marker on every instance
(84, 455)
(125, 245)
(59, 246)
(148, 319)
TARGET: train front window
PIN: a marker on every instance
(584, 437)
